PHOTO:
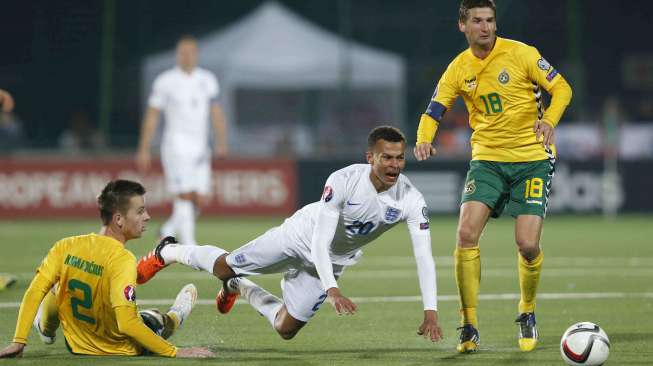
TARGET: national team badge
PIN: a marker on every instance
(392, 214)
(130, 293)
(470, 187)
(543, 64)
(327, 195)
(504, 78)
(240, 258)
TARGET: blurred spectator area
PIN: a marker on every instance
(309, 78)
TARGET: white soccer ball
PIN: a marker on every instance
(153, 319)
(585, 343)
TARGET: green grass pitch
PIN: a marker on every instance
(594, 270)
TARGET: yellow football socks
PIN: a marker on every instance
(529, 278)
(170, 324)
(468, 278)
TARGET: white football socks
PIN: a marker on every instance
(264, 302)
(199, 257)
(169, 228)
(184, 211)
(181, 222)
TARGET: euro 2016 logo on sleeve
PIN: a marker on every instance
(327, 195)
(543, 64)
(130, 293)
(425, 213)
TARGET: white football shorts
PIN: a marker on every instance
(185, 174)
(276, 252)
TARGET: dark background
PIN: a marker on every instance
(52, 55)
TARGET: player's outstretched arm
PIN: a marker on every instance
(425, 134)
(194, 352)
(13, 350)
(420, 235)
(323, 234)
(430, 328)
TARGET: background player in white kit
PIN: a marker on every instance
(313, 247)
(187, 95)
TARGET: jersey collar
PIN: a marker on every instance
(477, 64)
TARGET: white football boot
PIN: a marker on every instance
(184, 302)
(45, 338)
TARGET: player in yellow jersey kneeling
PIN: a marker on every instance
(513, 155)
(87, 283)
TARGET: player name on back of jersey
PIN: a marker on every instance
(84, 265)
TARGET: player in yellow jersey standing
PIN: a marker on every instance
(513, 155)
(94, 280)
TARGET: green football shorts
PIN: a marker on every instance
(521, 188)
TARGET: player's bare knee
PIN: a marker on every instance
(467, 237)
(286, 325)
(221, 269)
(529, 249)
(286, 331)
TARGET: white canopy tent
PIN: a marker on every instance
(274, 49)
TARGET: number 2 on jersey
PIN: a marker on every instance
(86, 301)
(492, 103)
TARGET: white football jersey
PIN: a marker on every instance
(365, 214)
(185, 100)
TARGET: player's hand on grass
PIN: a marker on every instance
(423, 151)
(194, 352)
(543, 130)
(430, 328)
(14, 350)
(341, 303)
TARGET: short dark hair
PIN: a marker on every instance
(465, 5)
(115, 197)
(388, 133)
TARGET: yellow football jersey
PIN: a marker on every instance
(95, 274)
(503, 97)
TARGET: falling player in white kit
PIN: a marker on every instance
(187, 95)
(314, 246)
